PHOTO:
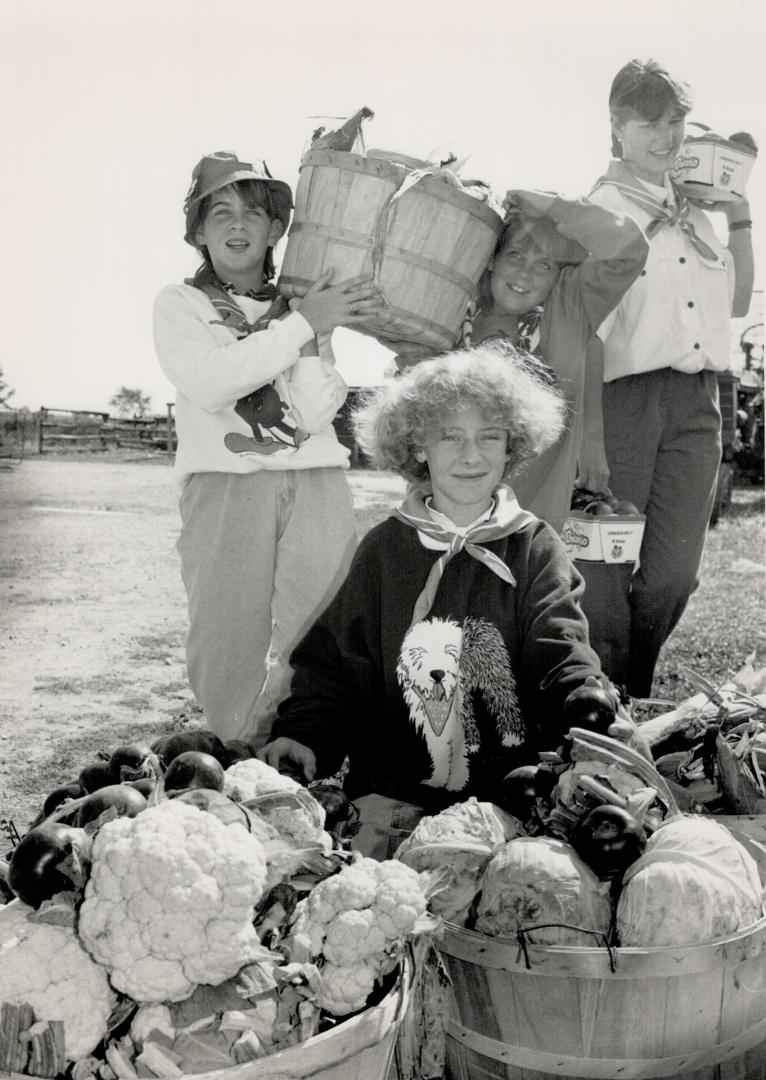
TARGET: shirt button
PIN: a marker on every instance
(696, 344)
(690, 303)
(682, 259)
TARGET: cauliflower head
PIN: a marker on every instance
(170, 900)
(346, 989)
(250, 778)
(356, 921)
(45, 966)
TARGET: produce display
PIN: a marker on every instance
(599, 852)
(200, 920)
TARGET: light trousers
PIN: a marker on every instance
(662, 435)
(262, 554)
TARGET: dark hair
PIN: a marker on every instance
(647, 88)
(253, 193)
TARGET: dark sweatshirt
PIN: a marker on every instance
(435, 713)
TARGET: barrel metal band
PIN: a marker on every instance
(605, 1068)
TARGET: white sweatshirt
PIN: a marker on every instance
(221, 424)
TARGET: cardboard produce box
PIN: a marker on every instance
(615, 538)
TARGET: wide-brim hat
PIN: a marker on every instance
(215, 171)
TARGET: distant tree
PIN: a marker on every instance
(133, 403)
(6, 392)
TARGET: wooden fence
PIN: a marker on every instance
(51, 429)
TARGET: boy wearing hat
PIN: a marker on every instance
(267, 528)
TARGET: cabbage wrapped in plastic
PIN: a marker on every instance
(536, 880)
(694, 883)
(573, 797)
(458, 842)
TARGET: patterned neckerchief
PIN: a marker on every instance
(528, 330)
(220, 296)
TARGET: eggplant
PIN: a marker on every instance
(194, 769)
(60, 795)
(94, 776)
(206, 742)
(333, 798)
(518, 792)
(43, 863)
(238, 750)
(525, 792)
(590, 706)
(145, 784)
(125, 799)
(130, 762)
(609, 839)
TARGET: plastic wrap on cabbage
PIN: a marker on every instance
(694, 883)
(593, 783)
(458, 842)
(536, 880)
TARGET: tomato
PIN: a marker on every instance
(624, 506)
(599, 508)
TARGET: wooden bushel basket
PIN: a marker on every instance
(425, 249)
(360, 1048)
(696, 1012)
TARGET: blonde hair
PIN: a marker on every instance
(503, 383)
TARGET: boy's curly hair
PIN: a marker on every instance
(503, 383)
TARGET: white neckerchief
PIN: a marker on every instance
(448, 524)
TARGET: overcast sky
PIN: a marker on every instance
(106, 106)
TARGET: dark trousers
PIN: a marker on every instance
(662, 434)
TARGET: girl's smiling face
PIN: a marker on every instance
(237, 237)
(467, 456)
(521, 277)
(650, 147)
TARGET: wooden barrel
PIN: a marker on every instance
(424, 246)
(695, 1012)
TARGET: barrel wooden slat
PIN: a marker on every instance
(690, 1013)
(425, 250)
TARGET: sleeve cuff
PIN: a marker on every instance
(299, 330)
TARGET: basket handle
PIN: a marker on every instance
(696, 123)
(521, 937)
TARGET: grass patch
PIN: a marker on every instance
(156, 646)
(724, 621)
(59, 684)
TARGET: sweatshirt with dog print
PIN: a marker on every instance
(435, 710)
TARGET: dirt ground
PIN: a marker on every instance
(92, 615)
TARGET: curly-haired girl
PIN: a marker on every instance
(449, 652)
